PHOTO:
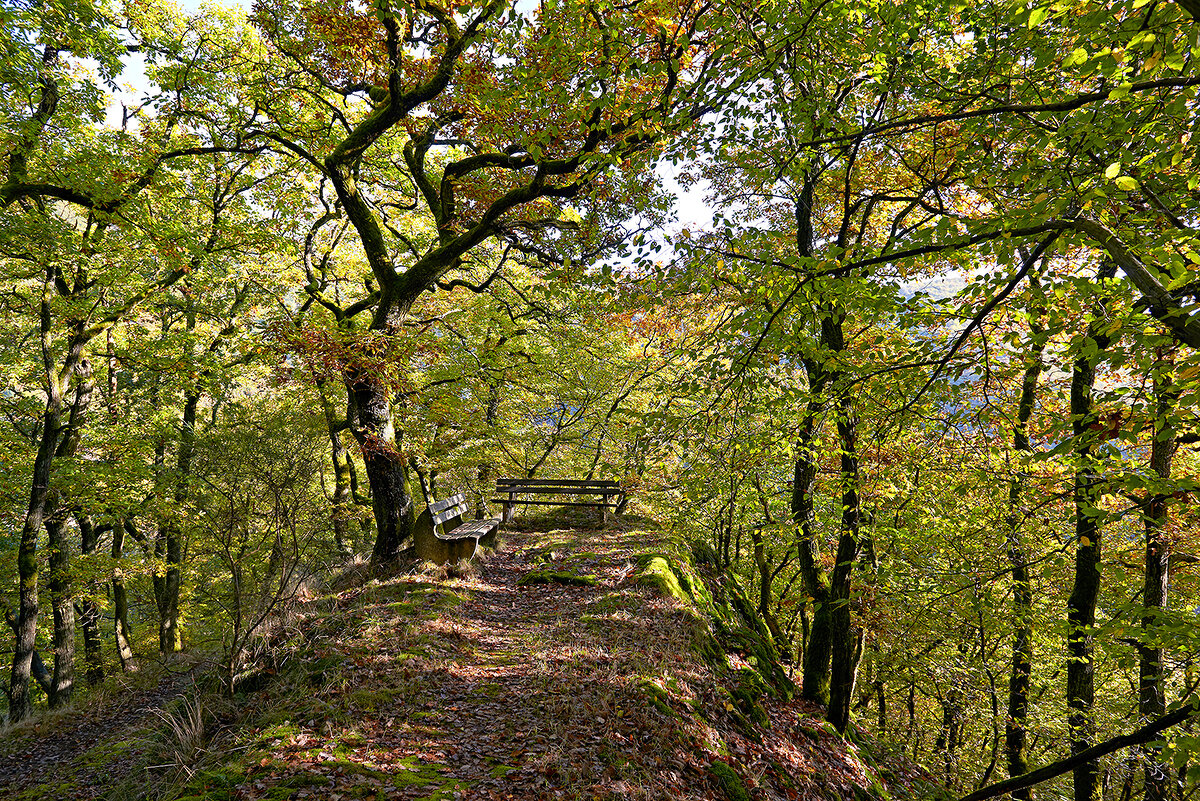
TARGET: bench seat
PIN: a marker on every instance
(442, 536)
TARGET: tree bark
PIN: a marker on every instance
(1152, 700)
(485, 476)
(1016, 739)
(121, 631)
(170, 634)
(58, 547)
(1081, 605)
(53, 432)
(63, 609)
(88, 610)
(387, 469)
(38, 671)
(846, 649)
(343, 497)
(818, 646)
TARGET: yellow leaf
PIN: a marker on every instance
(1085, 542)
(1113, 170)
(728, 707)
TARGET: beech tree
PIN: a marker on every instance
(479, 120)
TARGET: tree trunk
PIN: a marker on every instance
(20, 705)
(387, 469)
(170, 634)
(121, 633)
(818, 646)
(846, 644)
(58, 548)
(485, 476)
(343, 498)
(38, 671)
(63, 608)
(1081, 606)
(1152, 702)
(120, 601)
(765, 607)
(1016, 738)
(88, 610)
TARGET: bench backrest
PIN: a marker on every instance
(448, 509)
(503, 484)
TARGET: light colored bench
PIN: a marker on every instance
(443, 536)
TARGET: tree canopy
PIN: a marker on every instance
(923, 387)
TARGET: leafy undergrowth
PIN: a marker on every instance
(428, 686)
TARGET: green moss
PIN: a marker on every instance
(747, 693)
(731, 783)
(106, 753)
(370, 700)
(287, 787)
(765, 658)
(711, 652)
(50, 789)
(654, 570)
(556, 577)
(676, 578)
(614, 602)
(657, 697)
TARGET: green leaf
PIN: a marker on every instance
(1127, 183)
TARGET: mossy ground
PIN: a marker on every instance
(423, 685)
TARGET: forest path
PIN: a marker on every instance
(52, 751)
(420, 685)
(479, 687)
(423, 685)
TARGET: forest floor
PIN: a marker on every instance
(423, 685)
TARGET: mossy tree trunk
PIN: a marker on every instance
(55, 431)
(847, 646)
(58, 545)
(88, 609)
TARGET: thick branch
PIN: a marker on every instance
(1145, 734)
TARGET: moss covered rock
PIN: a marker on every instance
(556, 577)
(765, 659)
(731, 783)
(747, 692)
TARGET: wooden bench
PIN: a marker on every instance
(611, 496)
(442, 536)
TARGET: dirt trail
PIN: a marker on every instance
(40, 751)
(484, 686)
(523, 691)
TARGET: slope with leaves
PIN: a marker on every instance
(481, 685)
